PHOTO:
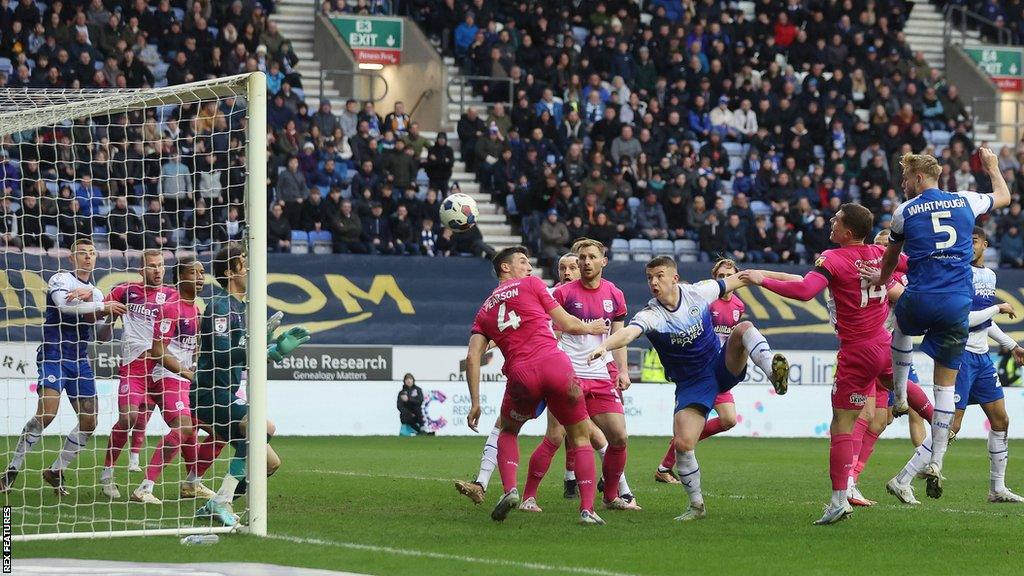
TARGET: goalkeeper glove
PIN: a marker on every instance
(287, 343)
(273, 323)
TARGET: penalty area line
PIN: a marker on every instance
(443, 556)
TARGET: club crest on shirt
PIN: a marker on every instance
(220, 324)
(161, 298)
(608, 305)
(165, 325)
(694, 311)
(735, 315)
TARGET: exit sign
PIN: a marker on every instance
(373, 40)
(1003, 65)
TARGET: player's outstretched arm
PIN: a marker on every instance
(617, 340)
(804, 288)
(782, 276)
(890, 261)
(979, 317)
(572, 325)
(160, 353)
(1000, 191)
(621, 360)
(1006, 344)
(477, 348)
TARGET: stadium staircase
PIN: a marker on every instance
(925, 30)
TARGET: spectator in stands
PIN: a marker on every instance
(471, 242)
(440, 163)
(554, 238)
(1011, 248)
(816, 238)
(175, 188)
(9, 222)
(398, 121)
(625, 145)
(366, 178)
(200, 230)
(400, 165)
(650, 218)
(736, 239)
(293, 192)
(124, 226)
(964, 178)
(72, 224)
(403, 230)
(346, 228)
(31, 225)
(377, 231)
(427, 238)
(312, 219)
(713, 240)
(90, 197)
(279, 233)
(676, 211)
(759, 242)
(602, 230)
(784, 241)
(157, 227)
(696, 216)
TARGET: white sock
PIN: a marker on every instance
(570, 474)
(191, 478)
(942, 418)
(689, 475)
(146, 486)
(227, 489)
(601, 452)
(759, 349)
(489, 459)
(922, 456)
(902, 359)
(623, 486)
(107, 475)
(74, 443)
(133, 458)
(998, 454)
(29, 437)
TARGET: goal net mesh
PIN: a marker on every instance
(158, 172)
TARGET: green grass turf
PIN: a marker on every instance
(395, 494)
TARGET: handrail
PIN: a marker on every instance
(997, 122)
(469, 80)
(424, 94)
(1003, 36)
(318, 8)
(340, 72)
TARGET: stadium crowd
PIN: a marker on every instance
(681, 121)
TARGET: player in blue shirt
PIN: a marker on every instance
(677, 321)
(934, 229)
(73, 305)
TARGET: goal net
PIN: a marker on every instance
(119, 379)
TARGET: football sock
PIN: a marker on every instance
(29, 437)
(107, 475)
(902, 358)
(570, 475)
(570, 462)
(206, 453)
(711, 427)
(919, 401)
(74, 443)
(540, 461)
(922, 456)
(759, 349)
(139, 433)
(689, 475)
(118, 437)
(669, 461)
(236, 473)
(164, 453)
(133, 458)
(840, 459)
(998, 454)
(867, 447)
(586, 474)
(489, 458)
(508, 459)
(612, 466)
(945, 408)
(859, 427)
(189, 454)
(147, 485)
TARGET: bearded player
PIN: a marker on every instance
(677, 321)
(726, 313)
(592, 297)
(145, 302)
(860, 313)
(516, 317)
(73, 306)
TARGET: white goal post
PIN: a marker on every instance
(42, 135)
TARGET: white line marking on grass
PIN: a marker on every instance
(450, 557)
(378, 475)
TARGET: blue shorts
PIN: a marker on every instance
(701, 389)
(941, 318)
(913, 378)
(540, 408)
(977, 381)
(74, 377)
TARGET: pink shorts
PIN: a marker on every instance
(724, 398)
(551, 379)
(171, 394)
(858, 369)
(134, 385)
(602, 396)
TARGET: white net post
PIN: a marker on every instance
(58, 142)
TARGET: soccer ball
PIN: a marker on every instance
(459, 212)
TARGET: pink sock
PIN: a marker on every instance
(859, 428)
(918, 400)
(669, 461)
(866, 448)
(206, 453)
(612, 469)
(190, 452)
(711, 427)
(508, 459)
(586, 472)
(139, 433)
(570, 462)
(540, 461)
(118, 438)
(164, 453)
(840, 457)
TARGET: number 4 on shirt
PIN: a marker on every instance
(511, 321)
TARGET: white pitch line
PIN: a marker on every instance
(378, 475)
(450, 557)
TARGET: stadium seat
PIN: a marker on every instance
(939, 137)
(688, 257)
(662, 247)
(321, 241)
(620, 250)
(735, 150)
(684, 246)
(640, 249)
(300, 242)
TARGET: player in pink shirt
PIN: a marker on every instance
(142, 323)
(588, 298)
(726, 313)
(174, 355)
(861, 310)
(516, 316)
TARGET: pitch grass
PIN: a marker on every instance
(387, 506)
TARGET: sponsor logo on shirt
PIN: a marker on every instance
(857, 399)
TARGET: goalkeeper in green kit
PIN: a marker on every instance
(222, 361)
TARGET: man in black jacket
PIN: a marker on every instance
(410, 408)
